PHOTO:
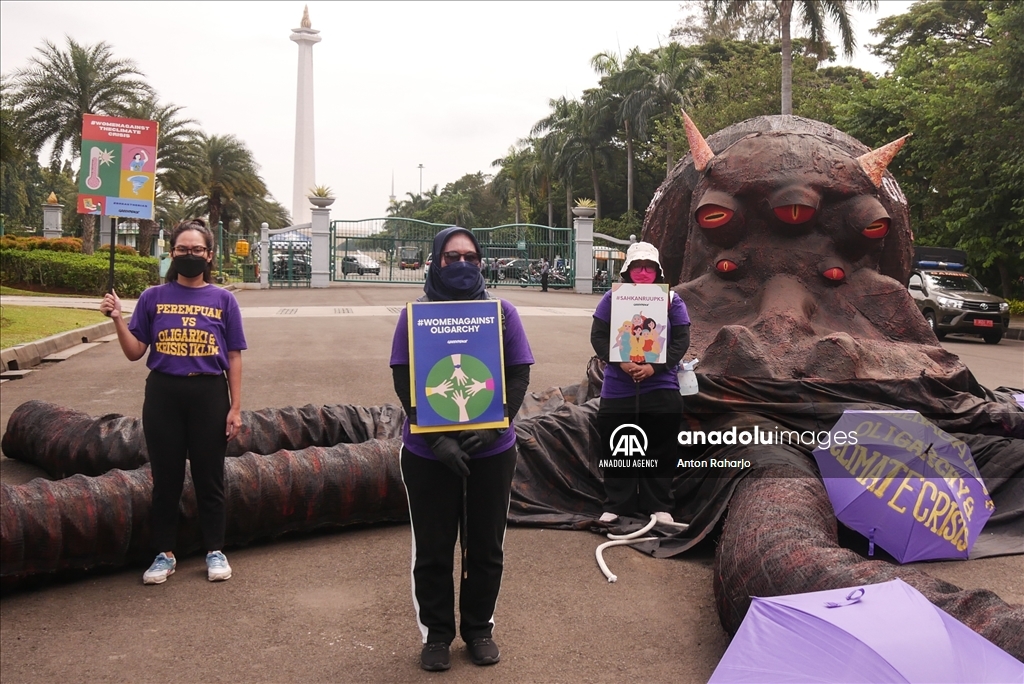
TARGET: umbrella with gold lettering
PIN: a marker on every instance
(905, 484)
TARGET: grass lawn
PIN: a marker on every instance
(21, 324)
(4, 290)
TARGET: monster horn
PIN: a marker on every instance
(875, 161)
(702, 154)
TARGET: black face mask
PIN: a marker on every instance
(189, 265)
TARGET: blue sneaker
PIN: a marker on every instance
(217, 568)
(160, 570)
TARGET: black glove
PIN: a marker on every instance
(448, 452)
(475, 441)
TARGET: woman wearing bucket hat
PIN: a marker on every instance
(640, 393)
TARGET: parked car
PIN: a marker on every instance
(409, 257)
(515, 269)
(953, 301)
(296, 266)
(359, 263)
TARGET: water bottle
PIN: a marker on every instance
(687, 378)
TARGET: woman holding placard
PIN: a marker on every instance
(637, 393)
(453, 473)
(192, 330)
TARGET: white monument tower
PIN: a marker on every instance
(305, 164)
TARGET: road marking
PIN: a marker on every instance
(349, 311)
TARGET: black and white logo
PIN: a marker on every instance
(628, 440)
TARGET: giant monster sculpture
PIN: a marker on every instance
(791, 244)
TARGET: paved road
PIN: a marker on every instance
(336, 606)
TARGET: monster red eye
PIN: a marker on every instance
(794, 213)
(876, 230)
(834, 274)
(713, 216)
(726, 266)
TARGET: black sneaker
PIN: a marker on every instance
(435, 656)
(483, 651)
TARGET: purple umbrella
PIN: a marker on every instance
(903, 483)
(886, 632)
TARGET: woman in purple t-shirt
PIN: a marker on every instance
(440, 469)
(193, 331)
(640, 393)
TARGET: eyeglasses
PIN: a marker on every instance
(194, 251)
(469, 257)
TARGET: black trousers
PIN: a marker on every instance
(658, 412)
(185, 418)
(544, 282)
(435, 508)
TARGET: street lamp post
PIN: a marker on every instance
(421, 179)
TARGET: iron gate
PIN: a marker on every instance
(397, 250)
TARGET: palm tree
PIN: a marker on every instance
(225, 172)
(610, 65)
(555, 126)
(514, 178)
(60, 86)
(657, 89)
(176, 153)
(813, 14)
(541, 171)
(581, 132)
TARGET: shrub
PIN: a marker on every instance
(119, 249)
(65, 244)
(1016, 307)
(75, 272)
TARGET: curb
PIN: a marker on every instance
(30, 354)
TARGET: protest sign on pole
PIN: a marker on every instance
(118, 173)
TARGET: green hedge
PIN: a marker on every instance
(64, 244)
(1016, 307)
(76, 272)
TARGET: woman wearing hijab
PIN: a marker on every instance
(635, 387)
(438, 467)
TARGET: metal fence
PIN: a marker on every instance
(514, 253)
(397, 250)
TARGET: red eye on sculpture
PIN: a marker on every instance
(834, 274)
(794, 213)
(876, 230)
(726, 266)
(713, 216)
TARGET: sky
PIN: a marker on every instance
(449, 85)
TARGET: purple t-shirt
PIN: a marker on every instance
(517, 353)
(188, 329)
(617, 383)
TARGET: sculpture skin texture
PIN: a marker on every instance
(791, 246)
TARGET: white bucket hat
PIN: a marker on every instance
(641, 251)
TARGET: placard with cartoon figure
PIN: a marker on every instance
(639, 323)
(456, 365)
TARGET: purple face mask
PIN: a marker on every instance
(643, 275)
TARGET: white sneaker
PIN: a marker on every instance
(217, 568)
(160, 570)
(608, 517)
(664, 518)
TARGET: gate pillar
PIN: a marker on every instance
(320, 232)
(584, 266)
